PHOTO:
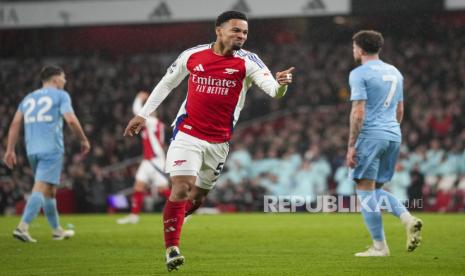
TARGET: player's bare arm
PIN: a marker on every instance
(76, 127)
(357, 116)
(400, 112)
(13, 133)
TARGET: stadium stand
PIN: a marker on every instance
(296, 146)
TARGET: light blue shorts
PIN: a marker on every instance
(46, 167)
(376, 159)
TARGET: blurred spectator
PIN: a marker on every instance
(399, 184)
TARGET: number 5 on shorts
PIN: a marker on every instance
(219, 169)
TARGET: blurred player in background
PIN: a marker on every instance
(151, 170)
(43, 111)
(374, 140)
(220, 74)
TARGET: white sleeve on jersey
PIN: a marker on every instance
(173, 77)
(263, 78)
(137, 105)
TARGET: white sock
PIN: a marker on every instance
(380, 245)
(406, 217)
(23, 226)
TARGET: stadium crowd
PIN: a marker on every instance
(292, 146)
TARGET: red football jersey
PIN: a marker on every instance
(216, 93)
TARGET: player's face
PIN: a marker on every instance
(233, 33)
(357, 51)
(60, 81)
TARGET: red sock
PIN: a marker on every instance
(190, 208)
(137, 201)
(165, 193)
(173, 217)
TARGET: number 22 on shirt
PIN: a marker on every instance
(44, 104)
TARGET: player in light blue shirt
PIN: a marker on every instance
(374, 140)
(43, 111)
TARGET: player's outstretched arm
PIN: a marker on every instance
(13, 133)
(262, 77)
(75, 125)
(173, 77)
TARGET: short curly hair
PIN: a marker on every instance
(228, 15)
(370, 41)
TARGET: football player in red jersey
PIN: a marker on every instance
(220, 74)
(151, 169)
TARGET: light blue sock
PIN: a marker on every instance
(371, 214)
(395, 207)
(50, 211)
(33, 205)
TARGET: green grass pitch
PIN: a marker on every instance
(235, 244)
